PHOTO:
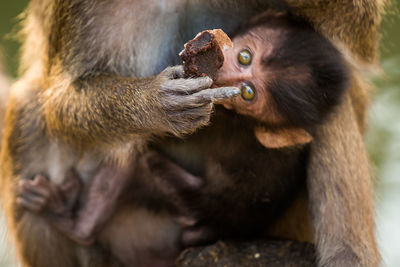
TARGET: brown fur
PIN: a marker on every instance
(73, 47)
(360, 33)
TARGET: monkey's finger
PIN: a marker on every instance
(28, 205)
(41, 188)
(174, 174)
(32, 198)
(28, 187)
(174, 72)
(178, 72)
(46, 188)
(71, 182)
(31, 202)
(215, 94)
(40, 180)
(187, 86)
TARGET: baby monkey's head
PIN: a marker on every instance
(288, 73)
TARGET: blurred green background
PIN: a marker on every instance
(383, 137)
(9, 11)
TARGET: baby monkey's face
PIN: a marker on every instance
(244, 69)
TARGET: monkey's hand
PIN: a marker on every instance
(180, 188)
(188, 103)
(56, 203)
(41, 195)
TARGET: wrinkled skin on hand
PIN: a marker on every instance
(188, 102)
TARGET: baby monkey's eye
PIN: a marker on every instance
(245, 57)
(248, 92)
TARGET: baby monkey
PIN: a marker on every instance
(290, 77)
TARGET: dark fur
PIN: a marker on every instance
(307, 103)
(243, 180)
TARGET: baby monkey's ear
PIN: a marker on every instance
(284, 137)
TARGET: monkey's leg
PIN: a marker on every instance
(100, 201)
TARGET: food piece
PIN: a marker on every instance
(203, 55)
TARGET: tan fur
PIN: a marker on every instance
(71, 47)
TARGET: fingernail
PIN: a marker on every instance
(235, 91)
(232, 91)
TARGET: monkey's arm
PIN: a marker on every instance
(353, 23)
(104, 108)
(340, 193)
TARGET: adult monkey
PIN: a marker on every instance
(69, 40)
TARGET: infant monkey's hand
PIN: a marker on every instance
(180, 191)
